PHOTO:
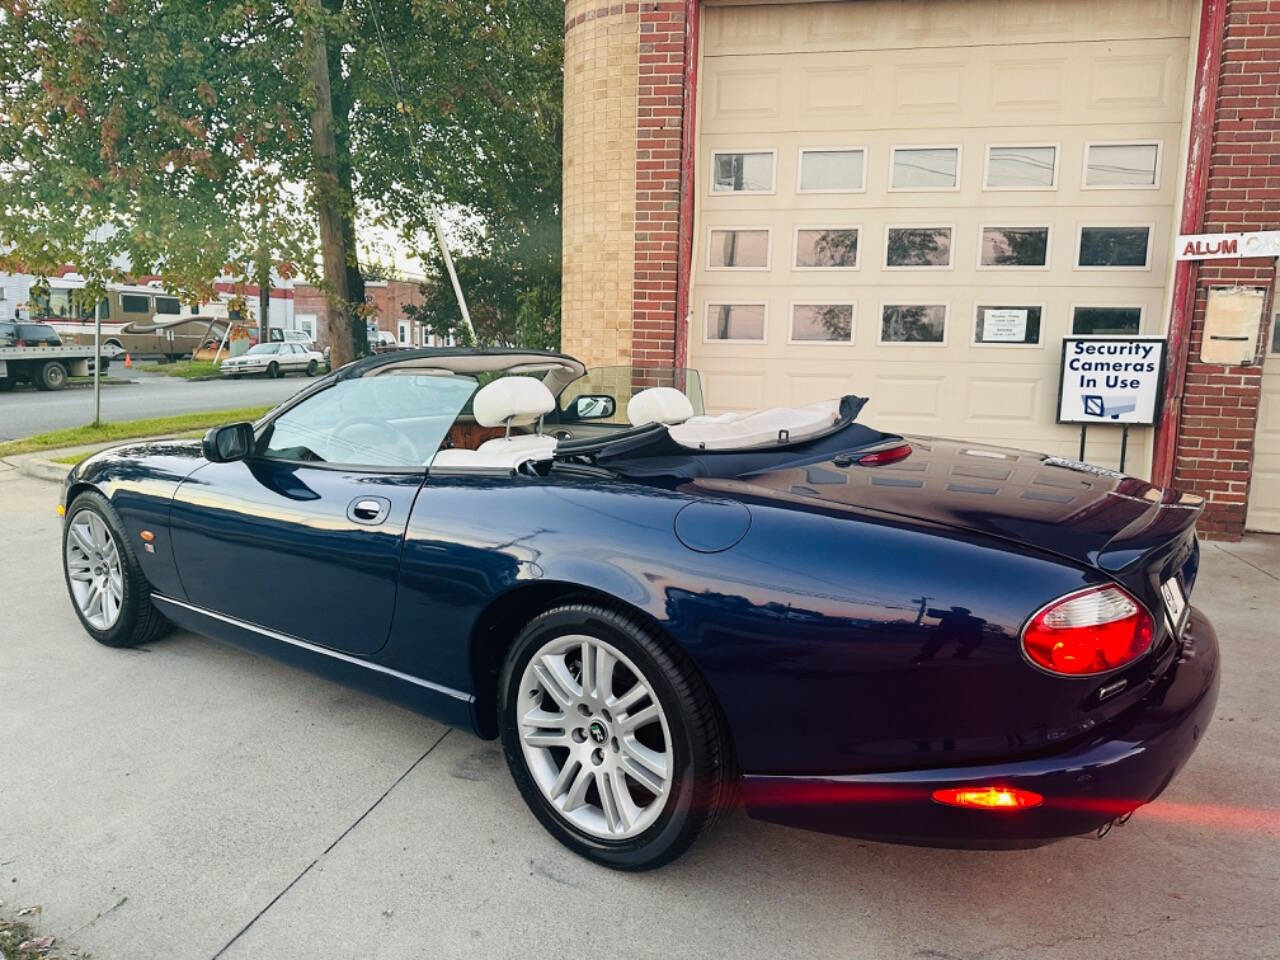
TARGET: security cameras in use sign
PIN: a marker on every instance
(1111, 379)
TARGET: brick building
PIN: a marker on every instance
(389, 297)
(916, 201)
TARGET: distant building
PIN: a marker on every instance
(389, 297)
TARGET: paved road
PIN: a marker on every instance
(25, 412)
(158, 802)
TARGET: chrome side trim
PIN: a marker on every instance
(314, 648)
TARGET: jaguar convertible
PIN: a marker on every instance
(663, 613)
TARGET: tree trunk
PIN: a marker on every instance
(345, 340)
(343, 102)
(264, 284)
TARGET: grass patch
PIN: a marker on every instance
(129, 429)
(186, 369)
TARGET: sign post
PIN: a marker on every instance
(1111, 380)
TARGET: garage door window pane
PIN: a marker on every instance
(913, 323)
(1015, 246)
(835, 248)
(135, 303)
(735, 321)
(831, 171)
(918, 247)
(1028, 168)
(1121, 165)
(1114, 246)
(1098, 320)
(925, 168)
(822, 322)
(1004, 324)
(742, 249)
(742, 172)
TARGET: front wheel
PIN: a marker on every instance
(312, 367)
(107, 588)
(273, 370)
(611, 737)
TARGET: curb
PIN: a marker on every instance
(37, 466)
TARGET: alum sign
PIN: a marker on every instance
(1111, 379)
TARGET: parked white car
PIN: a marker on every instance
(275, 360)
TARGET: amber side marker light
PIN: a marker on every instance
(62, 511)
(989, 798)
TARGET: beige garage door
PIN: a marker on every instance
(1264, 491)
(916, 201)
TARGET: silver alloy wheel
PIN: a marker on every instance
(601, 757)
(93, 567)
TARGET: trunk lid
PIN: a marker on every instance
(1086, 513)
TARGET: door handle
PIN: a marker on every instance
(369, 510)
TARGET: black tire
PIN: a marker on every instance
(235, 376)
(273, 370)
(704, 778)
(7, 384)
(51, 376)
(312, 367)
(139, 621)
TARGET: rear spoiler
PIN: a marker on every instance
(1168, 514)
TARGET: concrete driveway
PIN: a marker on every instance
(192, 801)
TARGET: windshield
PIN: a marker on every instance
(265, 348)
(388, 421)
(61, 302)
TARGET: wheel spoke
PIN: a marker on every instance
(555, 678)
(587, 653)
(629, 699)
(577, 795)
(627, 806)
(633, 721)
(603, 674)
(546, 738)
(609, 802)
(80, 570)
(564, 778)
(81, 535)
(647, 767)
(98, 531)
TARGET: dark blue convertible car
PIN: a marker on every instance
(662, 613)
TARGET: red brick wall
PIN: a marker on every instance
(659, 115)
(1220, 404)
(389, 299)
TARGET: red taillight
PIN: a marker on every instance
(988, 798)
(1089, 632)
(879, 458)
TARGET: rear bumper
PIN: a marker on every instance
(1128, 763)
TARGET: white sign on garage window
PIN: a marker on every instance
(1002, 324)
(1111, 379)
(832, 170)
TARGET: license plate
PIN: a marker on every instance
(1175, 603)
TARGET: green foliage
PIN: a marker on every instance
(139, 136)
(174, 137)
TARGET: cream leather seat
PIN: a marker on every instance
(506, 402)
(659, 405)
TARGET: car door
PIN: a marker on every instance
(303, 537)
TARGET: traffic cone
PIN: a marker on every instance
(127, 361)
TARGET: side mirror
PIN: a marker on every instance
(232, 441)
(594, 406)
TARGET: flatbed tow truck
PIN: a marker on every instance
(47, 368)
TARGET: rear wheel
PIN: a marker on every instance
(107, 588)
(611, 737)
(51, 376)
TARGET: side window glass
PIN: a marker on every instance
(387, 421)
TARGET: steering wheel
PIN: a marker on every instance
(377, 433)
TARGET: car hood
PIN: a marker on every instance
(1077, 510)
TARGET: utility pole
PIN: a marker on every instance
(97, 361)
(333, 246)
(264, 280)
